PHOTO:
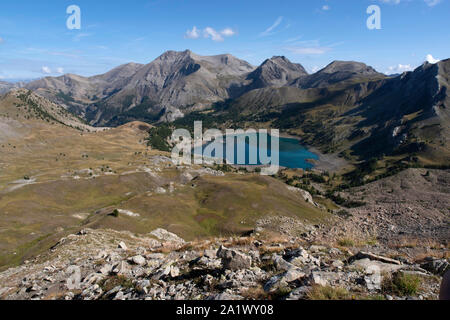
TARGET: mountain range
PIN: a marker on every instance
(346, 106)
(177, 83)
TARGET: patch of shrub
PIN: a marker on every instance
(328, 293)
(115, 213)
(402, 284)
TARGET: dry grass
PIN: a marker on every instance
(328, 293)
(417, 243)
(346, 242)
(254, 293)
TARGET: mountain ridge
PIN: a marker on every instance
(177, 83)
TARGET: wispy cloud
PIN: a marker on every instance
(213, 34)
(269, 31)
(310, 47)
(400, 68)
(390, 1)
(293, 39)
(80, 36)
(192, 34)
(308, 50)
(325, 7)
(432, 3)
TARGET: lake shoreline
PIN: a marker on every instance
(327, 162)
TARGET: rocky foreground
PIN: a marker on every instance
(106, 264)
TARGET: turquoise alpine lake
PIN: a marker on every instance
(291, 153)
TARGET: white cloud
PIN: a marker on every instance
(430, 59)
(432, 3)
(308, 50)
(325, 7)
(209, 32)
(269, 30)
(192, 34)
(60, 70)
(228, 32)
(46, 70)
(400, 68)
(391, 1)
(213, 34)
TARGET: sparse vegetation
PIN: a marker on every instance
(402, 284)
(346, 242)
(328, 293)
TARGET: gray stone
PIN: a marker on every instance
(299, 293)
(233, 259)
(121, 268)
(165, 235)
(210, 254)
(370, 266)
(106, 269)
(367, 255)
(138, 260)
(282, 264)
(74, 279)
(225, 297)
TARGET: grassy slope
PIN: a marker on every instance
(35, 213)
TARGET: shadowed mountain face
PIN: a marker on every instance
(410, 112)
(336, 72)
(405, 115)
(174, 83)
(276, 72)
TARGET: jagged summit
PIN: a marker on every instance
(277, 71)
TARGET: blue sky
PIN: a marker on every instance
(35, 42)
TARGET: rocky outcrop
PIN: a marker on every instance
(233, 259)
(106, 264)
(275, 72)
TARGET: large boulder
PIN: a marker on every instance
(165, 235)
(373, 257)
(233, 259)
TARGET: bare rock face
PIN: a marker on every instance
(335, 72)
(233, 259)
(165, 235)
(277, 71)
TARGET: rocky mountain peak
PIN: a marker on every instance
(348, 66)
(277, 71)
